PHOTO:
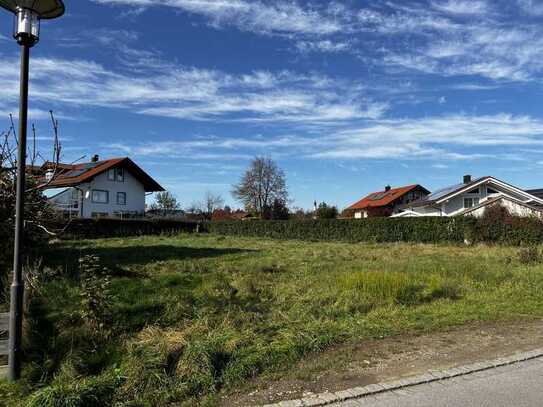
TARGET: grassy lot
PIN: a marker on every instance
(191, 316)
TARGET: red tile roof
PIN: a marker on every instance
(70, 175)
(383, 198)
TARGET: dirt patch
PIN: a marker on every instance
(387, 359)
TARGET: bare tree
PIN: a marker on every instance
(211, 203)
(39, 216)
(262, 184)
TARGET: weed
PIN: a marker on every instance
(530, 255)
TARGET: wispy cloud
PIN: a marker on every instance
(440, 37)
(323, 46)
(157, 88)
(278, 17)
(531, 7)
(452, 137)
(462, 6)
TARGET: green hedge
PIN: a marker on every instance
(110, 227)
(423, 230)
(511, 231)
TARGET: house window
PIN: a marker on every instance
(474, 191)
(121, 198)
(99, 196)
(470, 202)
(116, 174)
(491, 191)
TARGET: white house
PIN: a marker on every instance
(115, 187)
(472, 197)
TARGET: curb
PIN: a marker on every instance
(431, 376)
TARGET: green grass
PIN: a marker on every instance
(194, 315)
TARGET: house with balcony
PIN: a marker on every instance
(471, 197)
(101, 188)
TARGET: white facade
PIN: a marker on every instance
(471, 196)
(115, 192)
(513, 206)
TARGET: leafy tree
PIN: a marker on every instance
(262, 184)
(327, 212)
(166, 202)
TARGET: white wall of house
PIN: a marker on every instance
(514, 208)
(459, 203)
(103, 196)
(360, 215)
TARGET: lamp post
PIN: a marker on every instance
(28, 14)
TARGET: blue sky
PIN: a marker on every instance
(346, 96)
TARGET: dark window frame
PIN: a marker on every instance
(474, 202)
(125, 198)
(119, 174)
(100, 202)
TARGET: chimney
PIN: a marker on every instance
(467, 179)
(49, 174)
(95, 158)
(388, 188)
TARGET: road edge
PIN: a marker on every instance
(324, 399)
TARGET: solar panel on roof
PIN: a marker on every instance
(81, 170)
(448, 190)
(377, 197)
(74, 173)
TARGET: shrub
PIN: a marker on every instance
(496, 226)
(110, 227)
(423, 230)
(324, 211)
(37, 212)
(96, 299)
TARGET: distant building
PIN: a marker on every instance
(223, 214)
(109, 188)
(387, 202)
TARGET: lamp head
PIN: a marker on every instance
(28, 14)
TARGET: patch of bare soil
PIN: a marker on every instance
(388, 359)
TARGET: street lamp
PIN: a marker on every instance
(28, 14)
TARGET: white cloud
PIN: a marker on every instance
(531, 7)
(152, 87)
(498, 53)
(436, 138)
(462, 6)
(323, 46)
(441, 37)
(279, 17)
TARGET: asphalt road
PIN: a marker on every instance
(518, 385)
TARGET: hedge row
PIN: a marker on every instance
(513, 231)
(423, 230)
(106, 227)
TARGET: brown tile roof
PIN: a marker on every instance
(71, 175)
(383, 198)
